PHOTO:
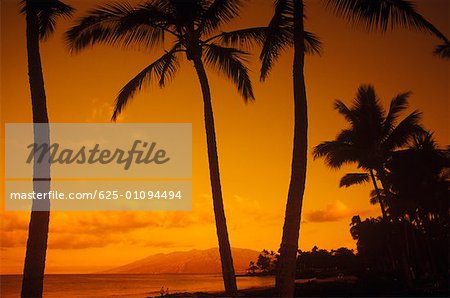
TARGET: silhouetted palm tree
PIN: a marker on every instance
(371, 139)
(286, 29)
(190, 25)
(41, 18)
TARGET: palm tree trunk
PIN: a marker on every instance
(33, 273)
(374, 181)
(226, 259)
(286, 265)
(385, 218)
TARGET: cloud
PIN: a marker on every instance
(101, 111)
(332, 212)
(79, 230)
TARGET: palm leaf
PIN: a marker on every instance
(376, 195)
(369, 112)
(118, 23)
(313, 45)
(244, 38)
(348, 136)
(398, 104)
(47, 12)
(342, 109)
(336, 153)
(187, 12)
(382, 14)
(230, 61)
(353, 178)
(424, 141)
(278, 36)
(219, 12)
(443, 50)
(162, 69)
(247, 38)
(404, 131)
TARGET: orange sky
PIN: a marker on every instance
(254, 140)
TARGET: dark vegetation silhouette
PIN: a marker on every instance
(265, 264)
(410, 242)
(41, 19)
(191, 28)
(317, 263)
(286, 29)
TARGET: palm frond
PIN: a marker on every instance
(424, 140)
(219, 12)
(398, 104)
(366, 97)
(404, 131)
(279, 36)
(342, 109)
(375, 196)
(313, 45)
(383, 15)
(442, 50)
(47, 12)
(118, 23)
(347, 136)
(368, 110)
(247, 38)
(187, 12)
(243, 39)
(162, 69)
(353, 178)
(336, 153)
(272, 49)
(230, 61)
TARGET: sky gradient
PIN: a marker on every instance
(254, 139)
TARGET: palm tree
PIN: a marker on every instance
(371, 139)
(286, 29)
(190, 26)
(41, 18)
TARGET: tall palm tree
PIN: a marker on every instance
(191, 27)
(41, 18)
(371, 139)
(286, 29)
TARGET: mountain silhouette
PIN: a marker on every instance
(192, 261)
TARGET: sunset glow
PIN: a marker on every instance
(254, 139)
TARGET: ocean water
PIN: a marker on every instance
(127, 285)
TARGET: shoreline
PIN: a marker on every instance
(349, 286)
